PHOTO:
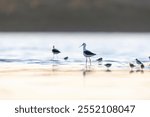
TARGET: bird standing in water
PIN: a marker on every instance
(131, 66)
(55, 51)
(142, 67)
(108, 65)
(87, 53)
(99, 59)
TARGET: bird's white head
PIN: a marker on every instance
(84, 44)
(53, 46)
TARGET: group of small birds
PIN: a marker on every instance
(56, 51)
(139, 63)
(87, 54)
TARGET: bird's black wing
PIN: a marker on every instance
(89, 52)
(55, 50)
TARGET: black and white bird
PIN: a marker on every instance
(108, 65)
(142, 67)
(138, 62)
(87, 53)
(131, 66)
(55, 51)
(66, 58)
(99, 59)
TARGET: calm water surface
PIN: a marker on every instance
(35, 48)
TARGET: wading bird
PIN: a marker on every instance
(131, 66)
(55, 51)
(108, 65)
(87, 53)
(142, 67)
(99, 59)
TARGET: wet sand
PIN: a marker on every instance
(71, 82)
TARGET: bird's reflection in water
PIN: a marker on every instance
(141, 71)
(55, 65)
(137, 71)
(87, 70)
(107, 70)
(54, 68)
(131, 71)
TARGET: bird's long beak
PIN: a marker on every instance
(80, 45)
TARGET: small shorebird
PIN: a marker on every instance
(131, 66)
(55, 51)
(87, 53)
(142, 67)
(138, 62)
(99, 59)
(66, 58)
(108, 65)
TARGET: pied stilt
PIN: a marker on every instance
(87, 53)
(55, 51)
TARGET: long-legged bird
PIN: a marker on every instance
(87, 53)
(55, 51)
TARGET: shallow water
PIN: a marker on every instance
(35, 48)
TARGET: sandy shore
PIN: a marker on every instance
(75, 82)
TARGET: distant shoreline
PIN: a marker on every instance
(70, 30)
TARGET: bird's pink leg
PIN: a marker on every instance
(90, 61)
(86, 61)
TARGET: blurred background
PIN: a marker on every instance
(75, 15)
